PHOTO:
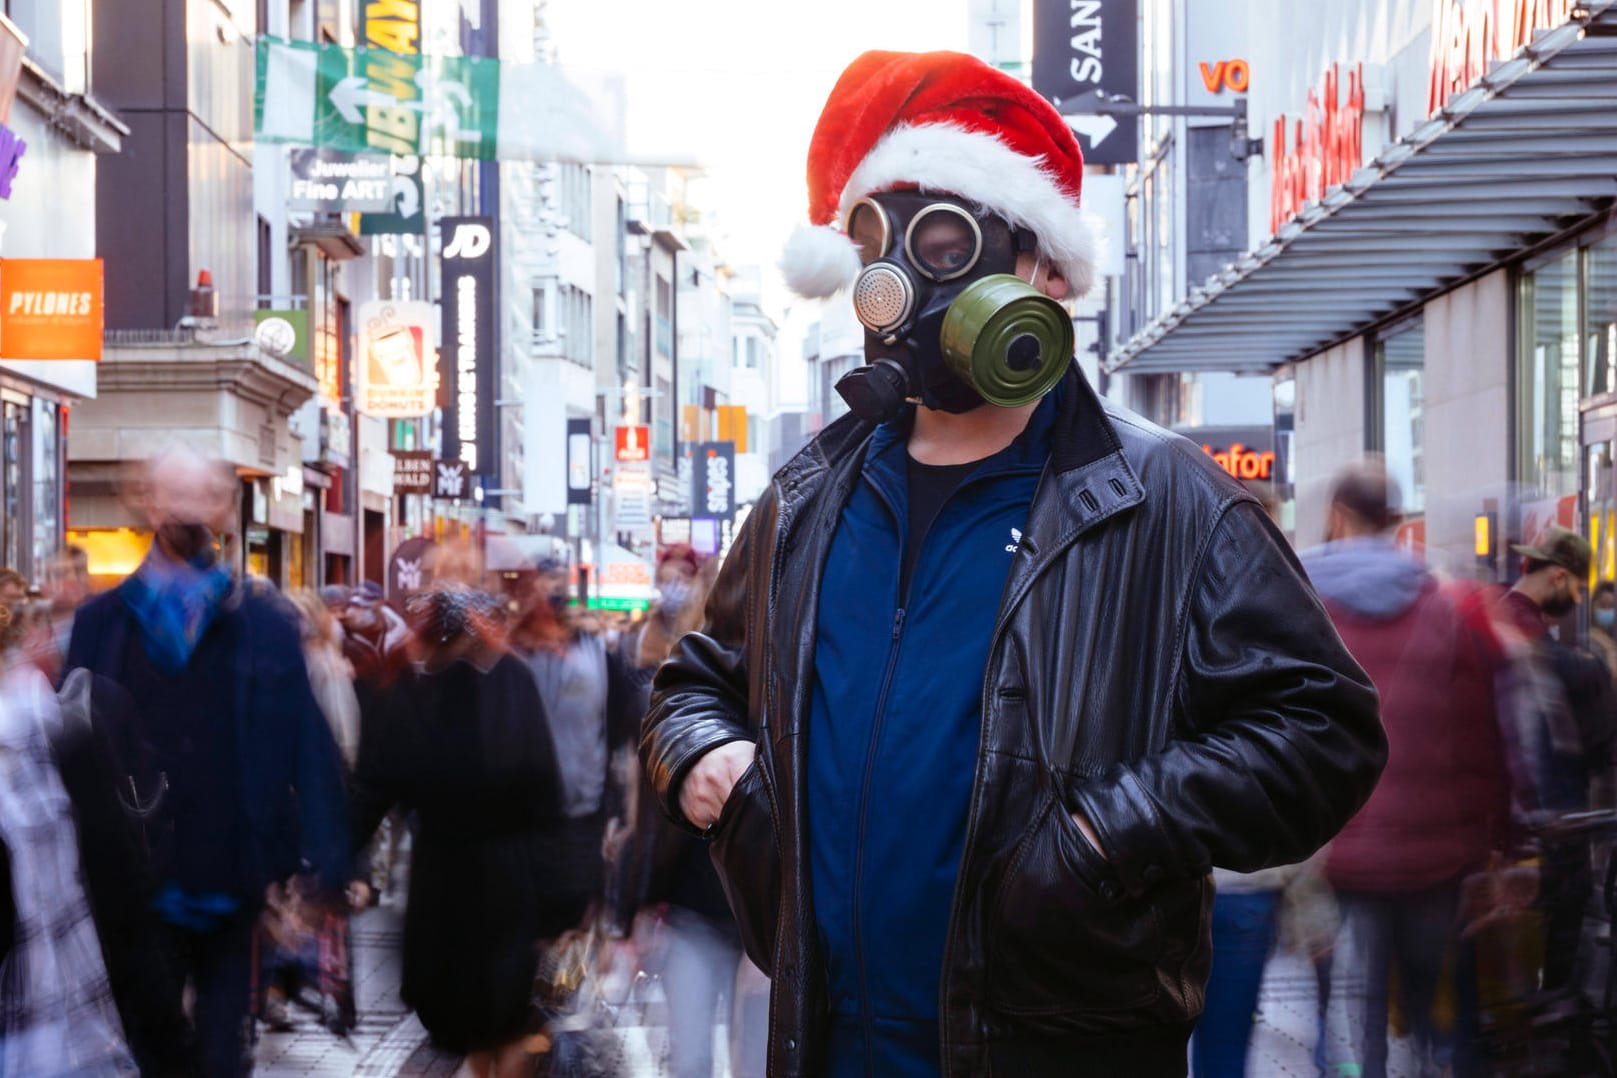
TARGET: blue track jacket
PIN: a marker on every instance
(894, 733)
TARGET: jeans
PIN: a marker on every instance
(1418, 931)
(1243, 935)
(218, 966)
(699, 971)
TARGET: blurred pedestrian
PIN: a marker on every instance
(468, 752)
(1442, 805)
(241, 785)
(1603, 623)
(76, 934)
(57, 1011)
(989, 682)
(701, 946)
(1246, 924)
(590, 719)
(67, 586)
(331, 676)
(13, 587)
(1565, 712)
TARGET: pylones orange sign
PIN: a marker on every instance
(50, 308)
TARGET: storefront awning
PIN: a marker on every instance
(1519, 156)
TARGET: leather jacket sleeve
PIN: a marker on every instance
(1279, 734)
(699, 696)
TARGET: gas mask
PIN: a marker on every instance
(948, 324)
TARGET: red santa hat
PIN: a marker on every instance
(945, 123)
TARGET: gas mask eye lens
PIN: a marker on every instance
(944, 241)
(868, 228)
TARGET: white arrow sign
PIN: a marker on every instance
(350, 95)
(1094, 128)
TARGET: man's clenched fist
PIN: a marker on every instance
(707, 787)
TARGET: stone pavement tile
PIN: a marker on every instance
(1287, 1024)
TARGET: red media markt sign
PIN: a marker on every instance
(633, 444)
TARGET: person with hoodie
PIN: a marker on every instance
(1442, 805)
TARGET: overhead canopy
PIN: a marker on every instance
(1517, 157)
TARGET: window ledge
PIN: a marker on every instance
(78, 116)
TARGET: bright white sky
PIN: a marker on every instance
(737, 85)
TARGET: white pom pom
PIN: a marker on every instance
(819, 261)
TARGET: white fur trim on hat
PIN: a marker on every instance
(947, 159)
(819, 261)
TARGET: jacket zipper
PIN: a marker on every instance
(866, 1019)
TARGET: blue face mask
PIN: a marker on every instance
(1606, 618)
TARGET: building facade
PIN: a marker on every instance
(1427, 270)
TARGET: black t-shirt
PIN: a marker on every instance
(929, 487)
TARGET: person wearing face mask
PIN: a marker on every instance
(237, 783)
(995, 671)
(1603, 622)
(1566, 711)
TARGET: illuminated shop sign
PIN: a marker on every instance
(397, 376)
(50, 308)
(467, 354)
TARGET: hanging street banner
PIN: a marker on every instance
(398, 369)
(378, 101)
(405, 211)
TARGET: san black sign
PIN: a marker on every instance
(1081, 47)
(467, 358)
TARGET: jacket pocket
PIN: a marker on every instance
(748, 862)
(1064, 940)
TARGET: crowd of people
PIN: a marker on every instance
(1453, 906)
(204, 778)
(232, 772)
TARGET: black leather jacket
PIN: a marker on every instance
(1159, 664)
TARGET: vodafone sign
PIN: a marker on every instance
(50, 308)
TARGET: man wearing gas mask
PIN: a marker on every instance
(996, 672)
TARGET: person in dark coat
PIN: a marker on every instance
(994, 672)
(468, 752)
(234, 776)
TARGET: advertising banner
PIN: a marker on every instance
(397, 371)
(405, 213)
(336, 181)
(713, 466)
(1081, 47)
(632, 489)
(467, 357)
(412, 471)
(50, 308)
(379, 100)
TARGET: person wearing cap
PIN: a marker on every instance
(1565, 710)
(995, 672)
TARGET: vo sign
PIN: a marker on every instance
(1232, 75)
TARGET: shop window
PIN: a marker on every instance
(1400, 414)
(1600, 318)
(11, 480)
(1547, 388)
(47, 482)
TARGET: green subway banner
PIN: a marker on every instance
(370, 100)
